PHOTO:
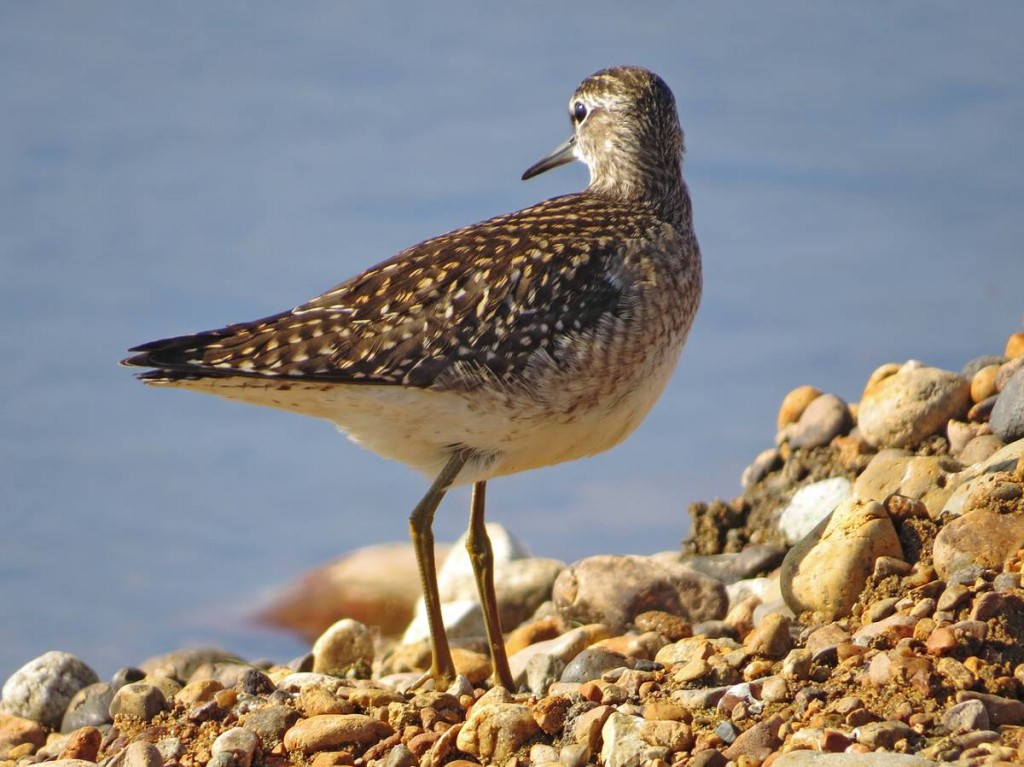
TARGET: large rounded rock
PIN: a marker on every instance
(42, 688)
(902, 407)
(980, 537)
(826, 571)
(615, 589)
(927, 478)
(375, 585)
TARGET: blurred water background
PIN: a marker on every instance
(858, 186)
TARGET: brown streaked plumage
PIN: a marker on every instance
(528, 339)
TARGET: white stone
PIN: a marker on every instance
(811, 504)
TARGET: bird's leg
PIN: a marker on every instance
(442, 669)
(481, 556)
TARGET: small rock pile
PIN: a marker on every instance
(860, 604)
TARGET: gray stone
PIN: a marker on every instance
(541, 671)
(971, 368)
(181, 664)
(615, 589)
(42, 688)
(90, 706)
(730, 568)
(270, 723)
(591, 664)
(1007, 419)
(825, 418)
(1001, 711)
(967, 716)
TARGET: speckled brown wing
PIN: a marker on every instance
(474, 305)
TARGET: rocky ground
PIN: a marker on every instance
(859, 604)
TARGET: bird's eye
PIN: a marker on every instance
(579, 111)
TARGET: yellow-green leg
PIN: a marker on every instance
(481, 556)
(442, 669)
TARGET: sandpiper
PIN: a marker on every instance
(529, 339)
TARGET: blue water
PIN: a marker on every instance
(858, 186)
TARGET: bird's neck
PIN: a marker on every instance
(661, 189)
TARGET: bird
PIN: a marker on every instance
(526, 340)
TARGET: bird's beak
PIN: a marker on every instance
(563, 154)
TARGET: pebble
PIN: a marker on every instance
(138, 754)
(42, 688)
(742, 565)
(794, 404)
(983, 383)
(347, 644)
(765, 462)
(826, 571)
(980, 448)
(181, 664)
(1007, 418)
(817, 759)
(824, 419)
(1015, 345)
(771, 637)
(239, 743)
(980, 537)
(902, 407)
(758, 742)
(270, 723)
(1001, 710)
(83, 743)
(967, 716)
(90, 706)
(591, 664)
(623, 745)
(139, 701)
(810, 505)
(930, 479)
(495, 732)
(332, 731)
(615, 589)
(670, 626)
(16, 731)
(563, 648)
